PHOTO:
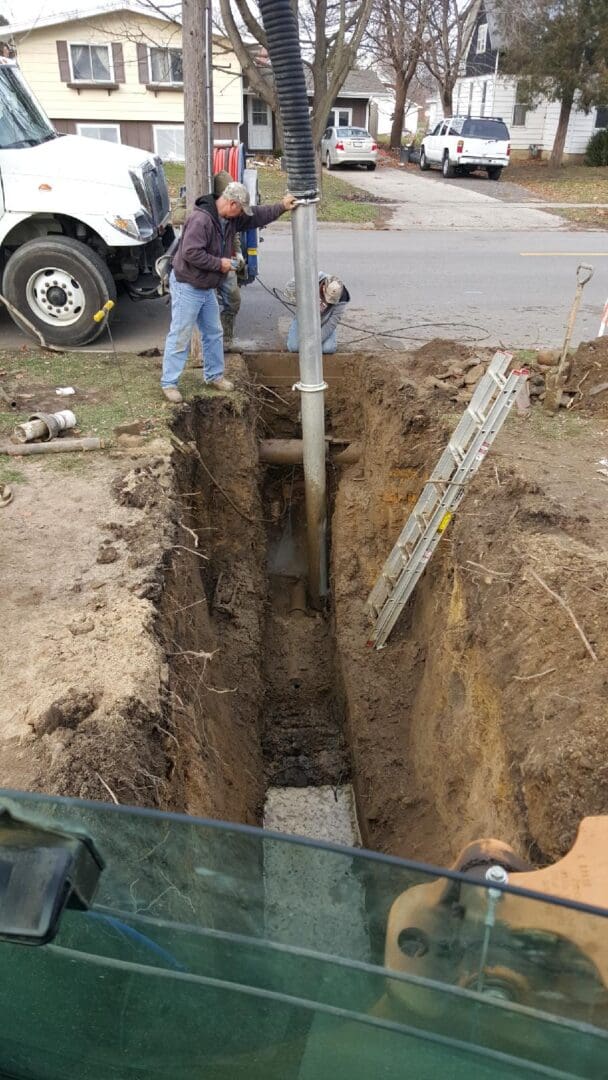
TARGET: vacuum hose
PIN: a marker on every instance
(284, 50)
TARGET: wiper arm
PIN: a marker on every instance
(20, 143)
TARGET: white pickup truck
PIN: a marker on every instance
(77, 216)
(461, 144)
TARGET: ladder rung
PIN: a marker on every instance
(440, 496)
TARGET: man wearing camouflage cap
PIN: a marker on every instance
(203, 258)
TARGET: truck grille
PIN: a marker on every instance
(157, 192)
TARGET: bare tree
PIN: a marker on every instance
(331, 32)
(395, 38)
(450, 25)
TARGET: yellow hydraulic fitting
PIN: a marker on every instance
(105, 310)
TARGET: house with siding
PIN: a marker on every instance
(115, 73)
(483, 91)
(356, 105)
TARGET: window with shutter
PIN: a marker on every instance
(166, 66)
(91, 63)
(601, 116)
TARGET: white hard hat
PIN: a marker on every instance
(332, 290)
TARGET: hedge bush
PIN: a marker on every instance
(597, 149)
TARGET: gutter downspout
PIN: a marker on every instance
(284, 50)
(493, 113)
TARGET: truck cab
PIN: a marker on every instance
(78, 218)
(462, 144)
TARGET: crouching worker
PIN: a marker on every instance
(333, 298)
(202, 260)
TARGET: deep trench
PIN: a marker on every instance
(269, 711)
(434, 734)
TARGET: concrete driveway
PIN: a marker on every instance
(448, 204)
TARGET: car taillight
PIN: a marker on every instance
(508, 149)
(374, 146)
(460, 146)
(339, 146)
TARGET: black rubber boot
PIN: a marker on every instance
(228, 327)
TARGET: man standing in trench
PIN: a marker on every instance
(203, 257)
(228, 290)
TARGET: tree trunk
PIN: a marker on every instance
(446, 100)
(398, 118)
(559, 142)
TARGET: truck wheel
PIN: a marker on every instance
(447, 169)
(424, 165)
(495, 172)
(58, 284)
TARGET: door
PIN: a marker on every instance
(433, 143)
(259, 124)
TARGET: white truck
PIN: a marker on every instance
(77, 218)
(461, 144)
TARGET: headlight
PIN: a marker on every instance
(137, 225)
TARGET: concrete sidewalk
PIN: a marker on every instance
(446, 205)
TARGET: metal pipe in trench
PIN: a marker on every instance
(291, 452)
(312, 391)
(282, 33)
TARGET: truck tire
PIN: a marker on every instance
(58, 284)
(424, 165)
(447, 169)
(495, 172)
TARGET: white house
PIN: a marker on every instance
(114, 72)
(483, 91)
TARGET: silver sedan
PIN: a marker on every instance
(348, 146)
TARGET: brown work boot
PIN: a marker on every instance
(172, 394)
(223, 384)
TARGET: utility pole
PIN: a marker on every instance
(198, 111)
(198, 98)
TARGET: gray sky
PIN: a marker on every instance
(19, 11)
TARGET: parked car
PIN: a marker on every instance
(349, 146)
(461, 144)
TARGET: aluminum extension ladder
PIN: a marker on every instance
(482, 420)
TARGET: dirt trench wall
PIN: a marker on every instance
(455, 730)
(212, 611)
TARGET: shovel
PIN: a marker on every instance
(555, 380)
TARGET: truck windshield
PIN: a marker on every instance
(22, 122)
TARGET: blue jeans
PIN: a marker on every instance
(192, 307)
(328, 346)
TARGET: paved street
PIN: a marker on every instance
(504, 286)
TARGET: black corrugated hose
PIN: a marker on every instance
(284, 50)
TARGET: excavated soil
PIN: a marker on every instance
(157, 651)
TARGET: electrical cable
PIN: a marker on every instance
(396, 332)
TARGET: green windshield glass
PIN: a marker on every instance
(216, 951)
